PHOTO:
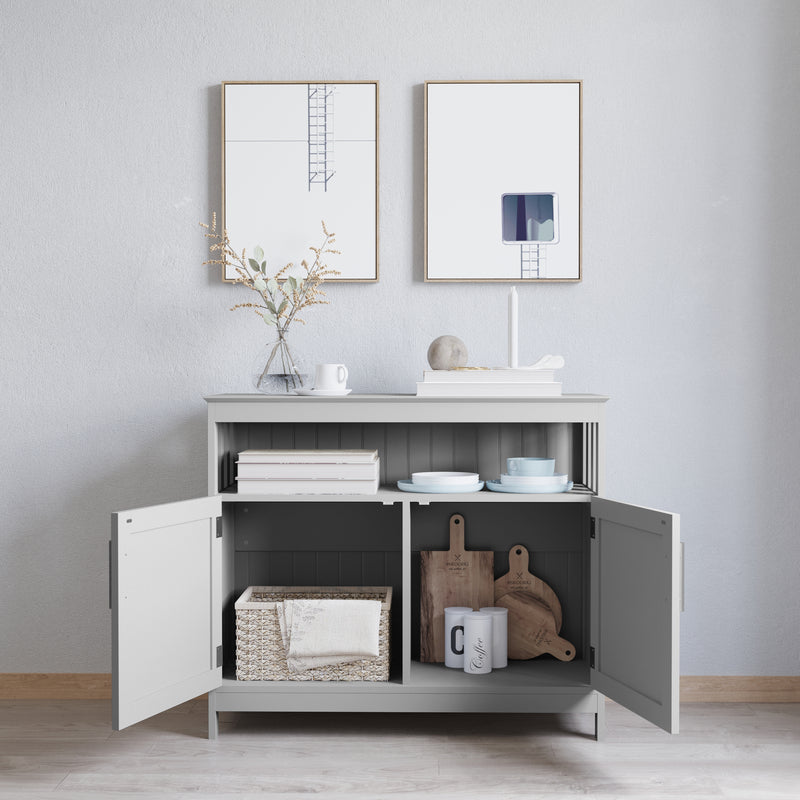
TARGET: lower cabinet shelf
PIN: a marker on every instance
(544, 686)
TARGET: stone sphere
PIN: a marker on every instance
(447, 352)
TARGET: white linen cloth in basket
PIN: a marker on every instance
(319, 633)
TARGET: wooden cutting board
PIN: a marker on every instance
(532, 628)
(518, 578)
(454, 577)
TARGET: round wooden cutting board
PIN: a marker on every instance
(532, 628)
(518, 578)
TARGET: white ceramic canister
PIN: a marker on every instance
(499, 617)
(477, 643)
(454, 636)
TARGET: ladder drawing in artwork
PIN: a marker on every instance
(532, 260)
(320, 135)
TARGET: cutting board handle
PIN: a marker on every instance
(456, 533)
(560, 648)
(518, 559)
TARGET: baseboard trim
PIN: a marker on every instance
(694, 688)
(55, 686)
(740, 688)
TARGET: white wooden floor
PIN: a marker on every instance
(67, 750)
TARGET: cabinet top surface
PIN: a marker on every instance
(410, 399)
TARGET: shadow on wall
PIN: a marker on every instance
(56, 564)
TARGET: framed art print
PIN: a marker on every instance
(503, 181)
(294, 154)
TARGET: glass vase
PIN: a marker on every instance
(277, 369)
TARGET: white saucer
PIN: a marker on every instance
(323, 392)
(438, 488)
(496, 486)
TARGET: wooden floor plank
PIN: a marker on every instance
(726, 751)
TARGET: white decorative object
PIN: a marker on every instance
(447, 352)
(477, 643)
(499, 617)
(454, 636)
(489, 389)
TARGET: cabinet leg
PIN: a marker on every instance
(213, 717)
(600, 719)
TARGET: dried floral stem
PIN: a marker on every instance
(282, 295)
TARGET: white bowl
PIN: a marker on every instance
(445, 478)
(522, 465)
(533, 480)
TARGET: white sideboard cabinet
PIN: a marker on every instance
(177, 569)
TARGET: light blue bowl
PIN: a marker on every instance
(530, 466)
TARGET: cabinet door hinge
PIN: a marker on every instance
(219, 655)
(219, 527)
(593, 527)
(591, 657)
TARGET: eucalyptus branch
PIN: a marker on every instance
(283, 295)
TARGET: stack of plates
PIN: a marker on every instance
(531, 484)
(442, 482)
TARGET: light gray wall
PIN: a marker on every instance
(112, 332)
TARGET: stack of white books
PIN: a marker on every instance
(308, 471)
(489, 382)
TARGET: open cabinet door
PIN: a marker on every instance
(166, 607)
(635, 608)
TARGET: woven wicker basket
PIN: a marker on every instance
(259, 648)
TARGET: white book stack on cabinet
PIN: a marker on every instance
(485, 382)
(308, 472)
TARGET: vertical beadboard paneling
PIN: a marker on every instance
(489, 449)
(396, 458)
(241, 573)
(373, 569)
(327, 568)
(349, 569)
(559, 445)
(394, 574)
(305, 436)
(465, 448)
(534, 441)
(283, 437)
(328, 437)
(351, 436)
(442, 437)
(419, 449)
(304, 569)
(279, 568)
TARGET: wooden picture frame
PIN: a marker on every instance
(503, 181)
(293, 154)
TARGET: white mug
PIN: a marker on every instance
(330, 377)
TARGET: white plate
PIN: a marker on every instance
(496, 486)
(446, 478)
(533, 480)
(322, 392)
(438, 488)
